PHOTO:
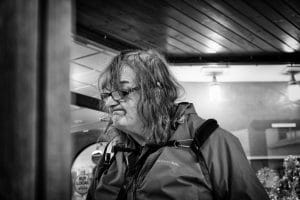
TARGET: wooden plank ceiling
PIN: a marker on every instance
(197, 31)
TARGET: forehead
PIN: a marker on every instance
(127, 75)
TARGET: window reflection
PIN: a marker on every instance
(82, 169)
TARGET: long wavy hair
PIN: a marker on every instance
(158, 89)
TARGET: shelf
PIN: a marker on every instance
(285, 142)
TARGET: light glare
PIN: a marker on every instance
(215, 92)
(294, 92)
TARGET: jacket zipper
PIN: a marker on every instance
(134, 186)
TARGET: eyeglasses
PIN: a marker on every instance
(133, 54)
(129, 52)
(118, 94)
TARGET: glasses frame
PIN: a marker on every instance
(117, 95)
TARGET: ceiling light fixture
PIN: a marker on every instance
(283, 125)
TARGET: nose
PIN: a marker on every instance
(110, 102)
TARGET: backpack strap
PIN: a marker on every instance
(133, 173)
(202, 134)
(104, 163)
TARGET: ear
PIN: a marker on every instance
(158, 84)
(157, 94)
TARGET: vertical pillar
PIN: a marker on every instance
(35, 151)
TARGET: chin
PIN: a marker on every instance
(119, 125)
(123, 127)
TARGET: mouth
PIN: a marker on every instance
(118, 111)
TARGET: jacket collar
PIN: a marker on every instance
(182, 109)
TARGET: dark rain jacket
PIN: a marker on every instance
(174, 172)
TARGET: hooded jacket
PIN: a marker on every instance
(174, 172)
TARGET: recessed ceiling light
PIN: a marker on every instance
(288, 49)
(211, 51)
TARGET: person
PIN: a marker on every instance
(149, 156)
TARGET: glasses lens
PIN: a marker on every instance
(104, 96)
(117, 95)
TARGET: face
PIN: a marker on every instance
(124, 112)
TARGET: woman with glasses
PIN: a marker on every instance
(161, 149)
